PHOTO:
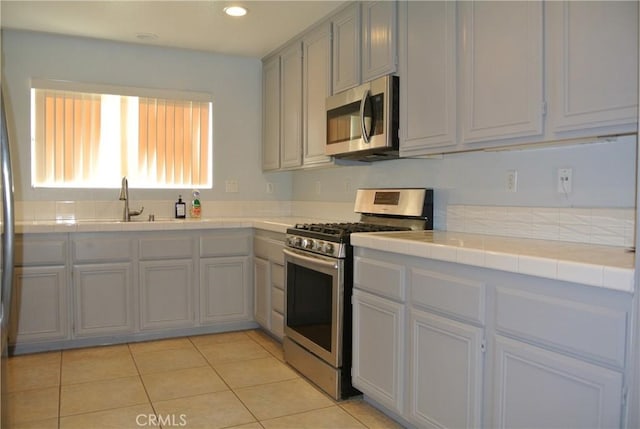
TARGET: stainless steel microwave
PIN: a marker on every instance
(362, 122)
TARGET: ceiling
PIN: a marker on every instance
(200, 25)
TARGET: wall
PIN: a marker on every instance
(234, 82)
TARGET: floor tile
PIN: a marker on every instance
(154, 346)
(326, 418)
(120, 418)
(101, 395)
(254, 372)
(233, 352)
(35, 371)
(255, 425)
(269, 343)
(368, 415)
(33, 405)
(273, 400)
(98, 363)
(40, 424)
(162, 361)
(183, 382)
(209, 411)
(224, 337)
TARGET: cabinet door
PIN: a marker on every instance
(224, 290)
(271, 114)
(346, 48)
(39, 305)
(378, 349)
(539, 388)
(166, 294)
(316, 88)
(291, 107)
(502, 69)
(103, 298)
(593, 65)
(428, 76)
(379, 38)
(262, 292)
(445, 375)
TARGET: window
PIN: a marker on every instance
(84, 136)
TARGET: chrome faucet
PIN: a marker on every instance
(124, 196)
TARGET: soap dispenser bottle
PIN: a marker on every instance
(181, 208)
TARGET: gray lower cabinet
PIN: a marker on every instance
(224, 296)
(541, 388)
(268, 288)
(39, 305)
(103, 299)
(487, 348)
(166, 294)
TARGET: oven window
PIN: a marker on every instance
(309, 304)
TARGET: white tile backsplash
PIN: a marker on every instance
(611, 227)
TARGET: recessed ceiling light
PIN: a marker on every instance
(235, 11)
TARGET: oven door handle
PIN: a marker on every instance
(328, 264)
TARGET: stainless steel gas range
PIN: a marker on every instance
(319, 283)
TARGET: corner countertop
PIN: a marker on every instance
(595, 265)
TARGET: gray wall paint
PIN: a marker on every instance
(234, 82)
(603, 176)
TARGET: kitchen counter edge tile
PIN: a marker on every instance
(572, 262)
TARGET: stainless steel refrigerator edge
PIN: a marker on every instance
(8, 234)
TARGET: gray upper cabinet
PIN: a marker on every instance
(427, 68)
(346, 48)
(271, 114)
(592, 52)
(501, 86)
(379, 38)
(316, 87)
(291, 106)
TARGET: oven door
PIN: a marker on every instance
(313, 309)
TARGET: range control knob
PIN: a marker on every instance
(328, 248)
(296, 241)
(308, 243)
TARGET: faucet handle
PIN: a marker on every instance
(136, 212)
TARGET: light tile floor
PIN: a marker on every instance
(233, 380)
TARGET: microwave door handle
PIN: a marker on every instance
(363, 102)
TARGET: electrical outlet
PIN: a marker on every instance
(270, 188)
(231, 185)
(318, 188)
(565, 180)
(512, 180)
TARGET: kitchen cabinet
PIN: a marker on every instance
(487, 348)
(224, 296)
(379, 331)
(102, 285)
(501, 69)
(271, 114)
(592, 55)
(316, 72)
(166, 284)
(40, 290)
(291, 106)
(269, 281)
(378, 349)
(346, 48)
(427, 69)
(364, 43)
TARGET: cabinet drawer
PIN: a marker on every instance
(277, 324)
(277, 276)
(102, 249)
(166, 248)
(225, 245)
(451, 295)
(379, 277)
(593, 331)
(268, 249)
(277, 300)
(40, 251)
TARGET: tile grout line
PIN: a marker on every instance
(146, 392)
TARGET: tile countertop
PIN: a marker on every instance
(270, 224)
(595, 265)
